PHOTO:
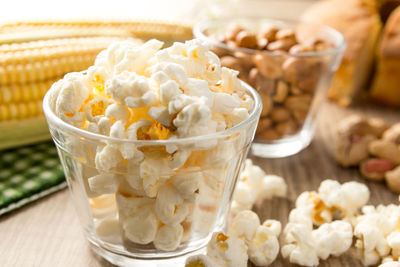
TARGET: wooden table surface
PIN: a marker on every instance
(47, 232)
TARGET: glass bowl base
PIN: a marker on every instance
(126, 261)
(281, 148)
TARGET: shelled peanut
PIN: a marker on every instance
(274, 63)
(371, 145)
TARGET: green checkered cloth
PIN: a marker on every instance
(27, 174)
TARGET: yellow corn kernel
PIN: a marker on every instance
(56, 58)
(17, 111)
(24, 92)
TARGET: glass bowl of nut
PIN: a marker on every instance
(289, 63)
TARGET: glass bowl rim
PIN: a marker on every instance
(52, 119)
(199, 27)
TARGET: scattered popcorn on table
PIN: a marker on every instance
(331, 210)
(161, 194)
(376, 232)
(254, 185)
(246, 239)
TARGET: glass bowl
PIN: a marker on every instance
(151, 209)
(292, 84)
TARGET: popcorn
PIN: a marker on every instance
(227, 250)
(371, 244)
(170, 207)
(109, 230)
(168, 237)
(393, 240)
(305, 245)
(199, 261)
(264, 247)
(144, 93)
(153, 172)
(187, 184)
(141, 227)
(255, 185)
(246, 239)
(104, 183)
(103, 206)
(129, 206)
(299, 247)
(333, 238)
(107, 158)
(376, 233)
(244, 225)
(117, 112)
(348, 197)
(390, 264)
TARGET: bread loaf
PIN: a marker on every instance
(359, 22)
(386, 84)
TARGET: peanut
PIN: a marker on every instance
(246, 39)
(269, 134)
(283, 45)
(261, 83)
(298, 103)
(282, 91)
(302, 72)
(288, 127)
(393, 134)
(267, 104)
(351, 150)
(279, 114)
(233, 32)
(232, 63)
(286, 34)
(393, 179)
(375, 168)
(359, 125)
(268, 65)
(386, 150)
(263, 125)
(269, 33)
(301, 48)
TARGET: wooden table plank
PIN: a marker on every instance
(47, 232)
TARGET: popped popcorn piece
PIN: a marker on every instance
(129, 206)
(107, 158)
(390, 264)
(170, 207)
(141, 226)
(71, 96)
(348, 197)
(199, 261)
(188, 184)
(254, 185)
(168, 237)
(299, 246)
(371, 243)
(104, 183)
(373, 229)
(227, 251)
(393, 240)
(333, 238)
(117, 112)
(244, 225)
(154, 171)
(103, 206)
(109, 230)
(264, 247)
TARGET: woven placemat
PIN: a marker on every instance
(29, 173)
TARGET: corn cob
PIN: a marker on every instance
(33, 55)
(140, 29)
(19, 66)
